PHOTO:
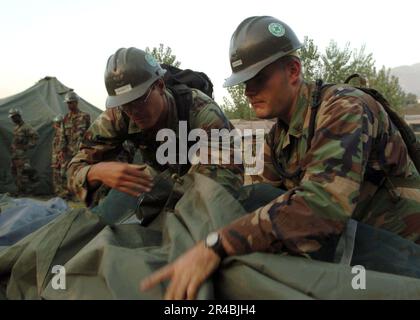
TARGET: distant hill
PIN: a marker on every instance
(409, 78)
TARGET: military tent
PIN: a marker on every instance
(39, 105)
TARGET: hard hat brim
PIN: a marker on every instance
(250, 72)
(133, 94)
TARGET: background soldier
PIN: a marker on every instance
(24, 138)
(75, 124)
(57, 158)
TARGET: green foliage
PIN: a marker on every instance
(336, 64)
(238, 107)
(388, 85)
(410, 99)
(164, 55)
(311, 61)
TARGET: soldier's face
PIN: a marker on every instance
(16, 119)
(72, 105)
(271, 92)
(147, 110)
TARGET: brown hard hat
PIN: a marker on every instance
(257, 42)
(128, 75)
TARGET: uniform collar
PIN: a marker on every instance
(299, 112)
(72, 114)
(20, 124)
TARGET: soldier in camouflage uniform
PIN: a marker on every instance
(57, 159)
(75, 124)
(138, 106)
(24, 139)
(357, 165)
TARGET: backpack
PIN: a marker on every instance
(413, 146)
(192, 79)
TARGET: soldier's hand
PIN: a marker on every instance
(128, 178)
(187, 273)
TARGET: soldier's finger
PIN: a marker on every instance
(143, 180)
(192, 290)
(136, 187)
(128, 191)
(145, 175)
(169, 293)
(156, 277)
(139, 167)
(137, 174)
(180, 288)
(126, 176)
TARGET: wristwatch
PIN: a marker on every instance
(214, 241)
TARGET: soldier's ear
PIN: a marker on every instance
(294, 69)
(160, 85)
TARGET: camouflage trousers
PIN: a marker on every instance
(24, 174)
(59, 180)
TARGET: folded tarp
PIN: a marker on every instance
(108, 262)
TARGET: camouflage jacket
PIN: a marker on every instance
(24, 138)
(103, 142)
(356, 155)
(75, 126)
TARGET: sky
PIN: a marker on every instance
(72, 40)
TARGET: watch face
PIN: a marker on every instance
(212, 239)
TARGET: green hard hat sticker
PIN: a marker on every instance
(150, 60)
(276, 29)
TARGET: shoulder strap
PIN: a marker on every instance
(316, 101)
(183, 99)
(413, 146)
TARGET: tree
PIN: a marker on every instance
(410, 100)
(164, 55)
(310, 58)
(389, 86)
(336, 64)
(237, 107)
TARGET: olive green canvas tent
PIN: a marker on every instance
(39, 105)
